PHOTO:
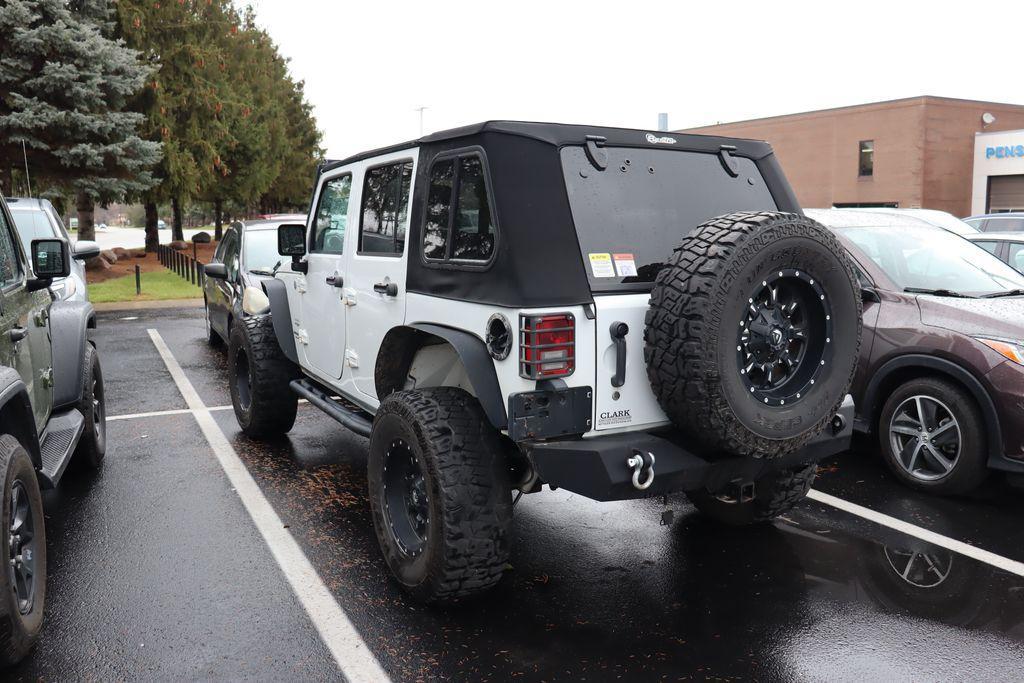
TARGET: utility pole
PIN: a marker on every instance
(420, 110)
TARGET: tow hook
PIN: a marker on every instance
(642, 463)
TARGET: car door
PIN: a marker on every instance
(377, 271)
(322, 296)
(220, 291)
(24, 321)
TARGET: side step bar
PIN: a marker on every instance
(351, 418)
(58, 444)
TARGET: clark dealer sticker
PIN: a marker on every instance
(614, 417)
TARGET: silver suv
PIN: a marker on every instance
(36, 219)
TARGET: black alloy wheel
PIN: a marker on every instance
(785, 338)
(406, 502)
(21, 561)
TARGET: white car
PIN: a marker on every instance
(617, 313)
(940, 219)
(1008, 247)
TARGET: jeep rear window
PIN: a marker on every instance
(630, 216)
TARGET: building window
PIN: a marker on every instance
(866, 159)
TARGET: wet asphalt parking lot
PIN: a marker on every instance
(160, 566)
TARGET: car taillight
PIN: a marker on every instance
(547, 345)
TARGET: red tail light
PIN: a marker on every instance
(547, 345)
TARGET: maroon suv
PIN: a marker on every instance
(941, 375)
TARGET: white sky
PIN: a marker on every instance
(369, 63)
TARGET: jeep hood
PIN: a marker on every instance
(1002, 318)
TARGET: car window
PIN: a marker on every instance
(932, 258)
(331, 216)
(975, 223)
(468, 227)
(1009, 224)
(260, 247)
(229, 255)
(32, 225)
(10, 268)
(991, 246)
(1016, 256)
(385, 209)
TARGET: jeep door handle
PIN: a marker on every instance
(619, 330)
(17, 334)
(388, 288)
(335, 280)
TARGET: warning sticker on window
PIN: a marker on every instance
(625, 265)
(601, 265)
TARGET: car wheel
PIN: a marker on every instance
(93, 445)
(933, 437)
(212, 338)
(23, 549)
(774, 494)
(440, 495)
(259, 376)
(752, 335)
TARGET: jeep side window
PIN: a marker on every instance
(439, 206)
(332, 216)
(465, 233)
(384, 217)
(10, 269)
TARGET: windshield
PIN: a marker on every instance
(930, 258)
(32, 225)
(632, 215)
(261, 250)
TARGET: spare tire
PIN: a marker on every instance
(753, 333)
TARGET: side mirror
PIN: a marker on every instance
(218, 271)
(867, 294)
(291, 240)
(50, 259)
(85, 249)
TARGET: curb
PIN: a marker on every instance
(148, 305)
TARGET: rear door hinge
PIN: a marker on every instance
(729, 162)
(351, 358)
(596, 152)
(302, 337)
(349, 296)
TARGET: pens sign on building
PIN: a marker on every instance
(1005, 152)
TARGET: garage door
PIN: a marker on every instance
(1006, 193)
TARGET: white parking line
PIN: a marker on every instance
(161, 413)
(350, 652)
(956, 546)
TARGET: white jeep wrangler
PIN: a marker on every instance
(506, 305)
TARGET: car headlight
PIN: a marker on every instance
(254, 301)
(1007, 349)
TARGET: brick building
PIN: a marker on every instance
(912, 153)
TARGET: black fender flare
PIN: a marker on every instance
(951, 369)
(16, 416)
(281, 317)
(70, 322)
(400, 344)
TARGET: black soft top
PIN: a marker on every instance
(561, 134)
(537, 260)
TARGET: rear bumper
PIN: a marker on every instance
(596, 468)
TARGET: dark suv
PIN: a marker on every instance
(941, 376)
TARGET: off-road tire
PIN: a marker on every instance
(260, 375)
(971, 468)
(466, 544)
(774, 495)
(19, 632)
(93, 445)
(690, 339)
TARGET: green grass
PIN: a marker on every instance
(156, 286)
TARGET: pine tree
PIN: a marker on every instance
(64, 87)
